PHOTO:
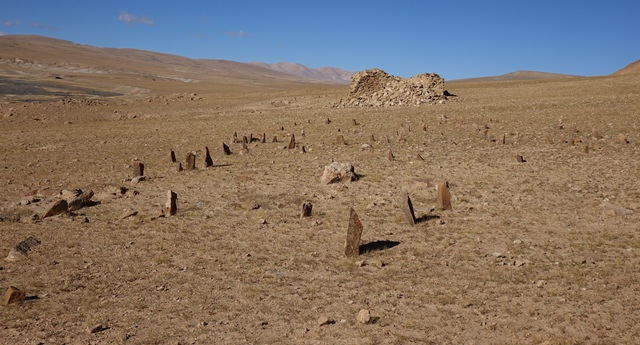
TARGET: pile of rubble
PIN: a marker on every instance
(376, 88)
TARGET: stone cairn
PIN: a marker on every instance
(376, 88)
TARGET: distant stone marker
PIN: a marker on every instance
(622, 139)
(373, 138)
(275, 139)
(179, 169)
(225, 149)
(407, 208)
(264, 138)
(419, 157)
(235, 137)
(208, 162)
(444, 195)
(244, 139)
(59, 207)
(245, 148)
(138, 168)
(586, 148)
(520, 159)
(171, 207)
(292, 142)
(303, 150)
(172, 156)
(340, 139)
(13, 295)
(327, 121)
(596, 134)
(354, 234)
(191, 161)
(355, 123)
(390, 156)
(307, 207)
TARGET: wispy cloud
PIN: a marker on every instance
(240, 33)
(45, 26)
(129, 19)
(12, 22)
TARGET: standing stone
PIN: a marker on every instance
(340, 139)
(264, 138)
(354, 234)
(303, 151)
(208, 162)
(306, 209)
(339, 172)
(235, 137)
(424, 126)
(596, 134)
(586, 148)
(520, 159)
(504, 139)
(191, 161)
(302, 133)
(180, 167)
(373, 138)
(245, 148)
(390, 155)
(355, 123)
(292, 142)
(82, 200)
(244, 139)
(138, 168)
(59, 207)
(275, 139)
(13, 295)
(407, 208)
(171, 207)
(225, 149)
(327, 121)
(444, 196)
(172, 156)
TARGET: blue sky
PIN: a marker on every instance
(456, 39)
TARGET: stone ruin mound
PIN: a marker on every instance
(376, 88)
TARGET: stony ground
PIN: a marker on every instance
(540, 252)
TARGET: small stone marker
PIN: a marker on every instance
(275, 139)
(354, 234)
(171, 207)
(355, 123)
(292, 142)
(172, 156)
(245, 148)
(504, 139)
(340, 139)
(622, 139)
(407, 208)
(302, 133)
(244, 139)
(520, 159)
(303, 151)
(419, 157)
(264, 138)
(424, 126)
(180, 167)
(235, 137)
(208, 162)
(390, 156)
(225, 149)
(444, 196)
(586, 148)
(59, 207)
(373, 138)
(13, 295)
(596, 134)
(138, 168)
(327, 121)
(191, 161)
(306, 209)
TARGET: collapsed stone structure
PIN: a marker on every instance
(376, 88)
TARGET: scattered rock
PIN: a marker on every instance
(364, 316)
(84, 199)
(13, 295)
(138, 179)
(622, 139)
(407, 208)
(323, 321)
(354, 234)
(97, 328)
(128, 213)
(179, 168)
(306, 209)
(22, 249)
(338, 172)
(615, 210)
(58, 207)
(171, 207)
(444, 196)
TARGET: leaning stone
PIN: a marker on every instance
(13, 295)
(84, 199)
(59, 207)
(208, 162)
(191, 161)
(355, 123)
(407, 208)
(364, 316)
(128, 213)
(306, 209)
(138, 179)
(419, 157)
(245, 140)
(444, 196)
(338, 172)
(225, 149)
(354, 234)
(21, 251)
(264, 138)
(138, 168)
(292, 142)
(172, 156)
(235, 137)
(327, 121)
(171, 206)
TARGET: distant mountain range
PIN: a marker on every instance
(329, 74)
(631, 68)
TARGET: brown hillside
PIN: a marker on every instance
(631, 68)
(518, 76)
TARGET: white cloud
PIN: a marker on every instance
(129, 19)
(12, 22)
(240, 33)
(45, 26)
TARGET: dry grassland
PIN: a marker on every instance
(541, 252)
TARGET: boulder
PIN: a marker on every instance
(338, 172)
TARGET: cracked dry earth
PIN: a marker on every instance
(544, 251)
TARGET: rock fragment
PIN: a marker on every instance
(13, 295)
(307, 207)
(338, 172)
(84, 200)
(57, 208)
(390, 156)
(354, 235)
(292, 142)
(444, 196)
(22, 249)
(364, 316)
(137, 168)
(172, 156)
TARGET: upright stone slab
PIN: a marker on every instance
(307, 207)
(191, 161)
(225, 149)
(444, 196)
(137, 168)
(355, 123)
(264, 138)
(520, 159)
(245, 148)
(390, 155)
(245, 140)
(407, 208)
(59, 207)
(172, 156)
(208, 162)
(327, 121)
(13, 295)
(275, 139)
(354, 234)
(292, 142)
(171, 207)
(179, 168)
(235, 137)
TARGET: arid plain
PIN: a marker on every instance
(544, 251)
